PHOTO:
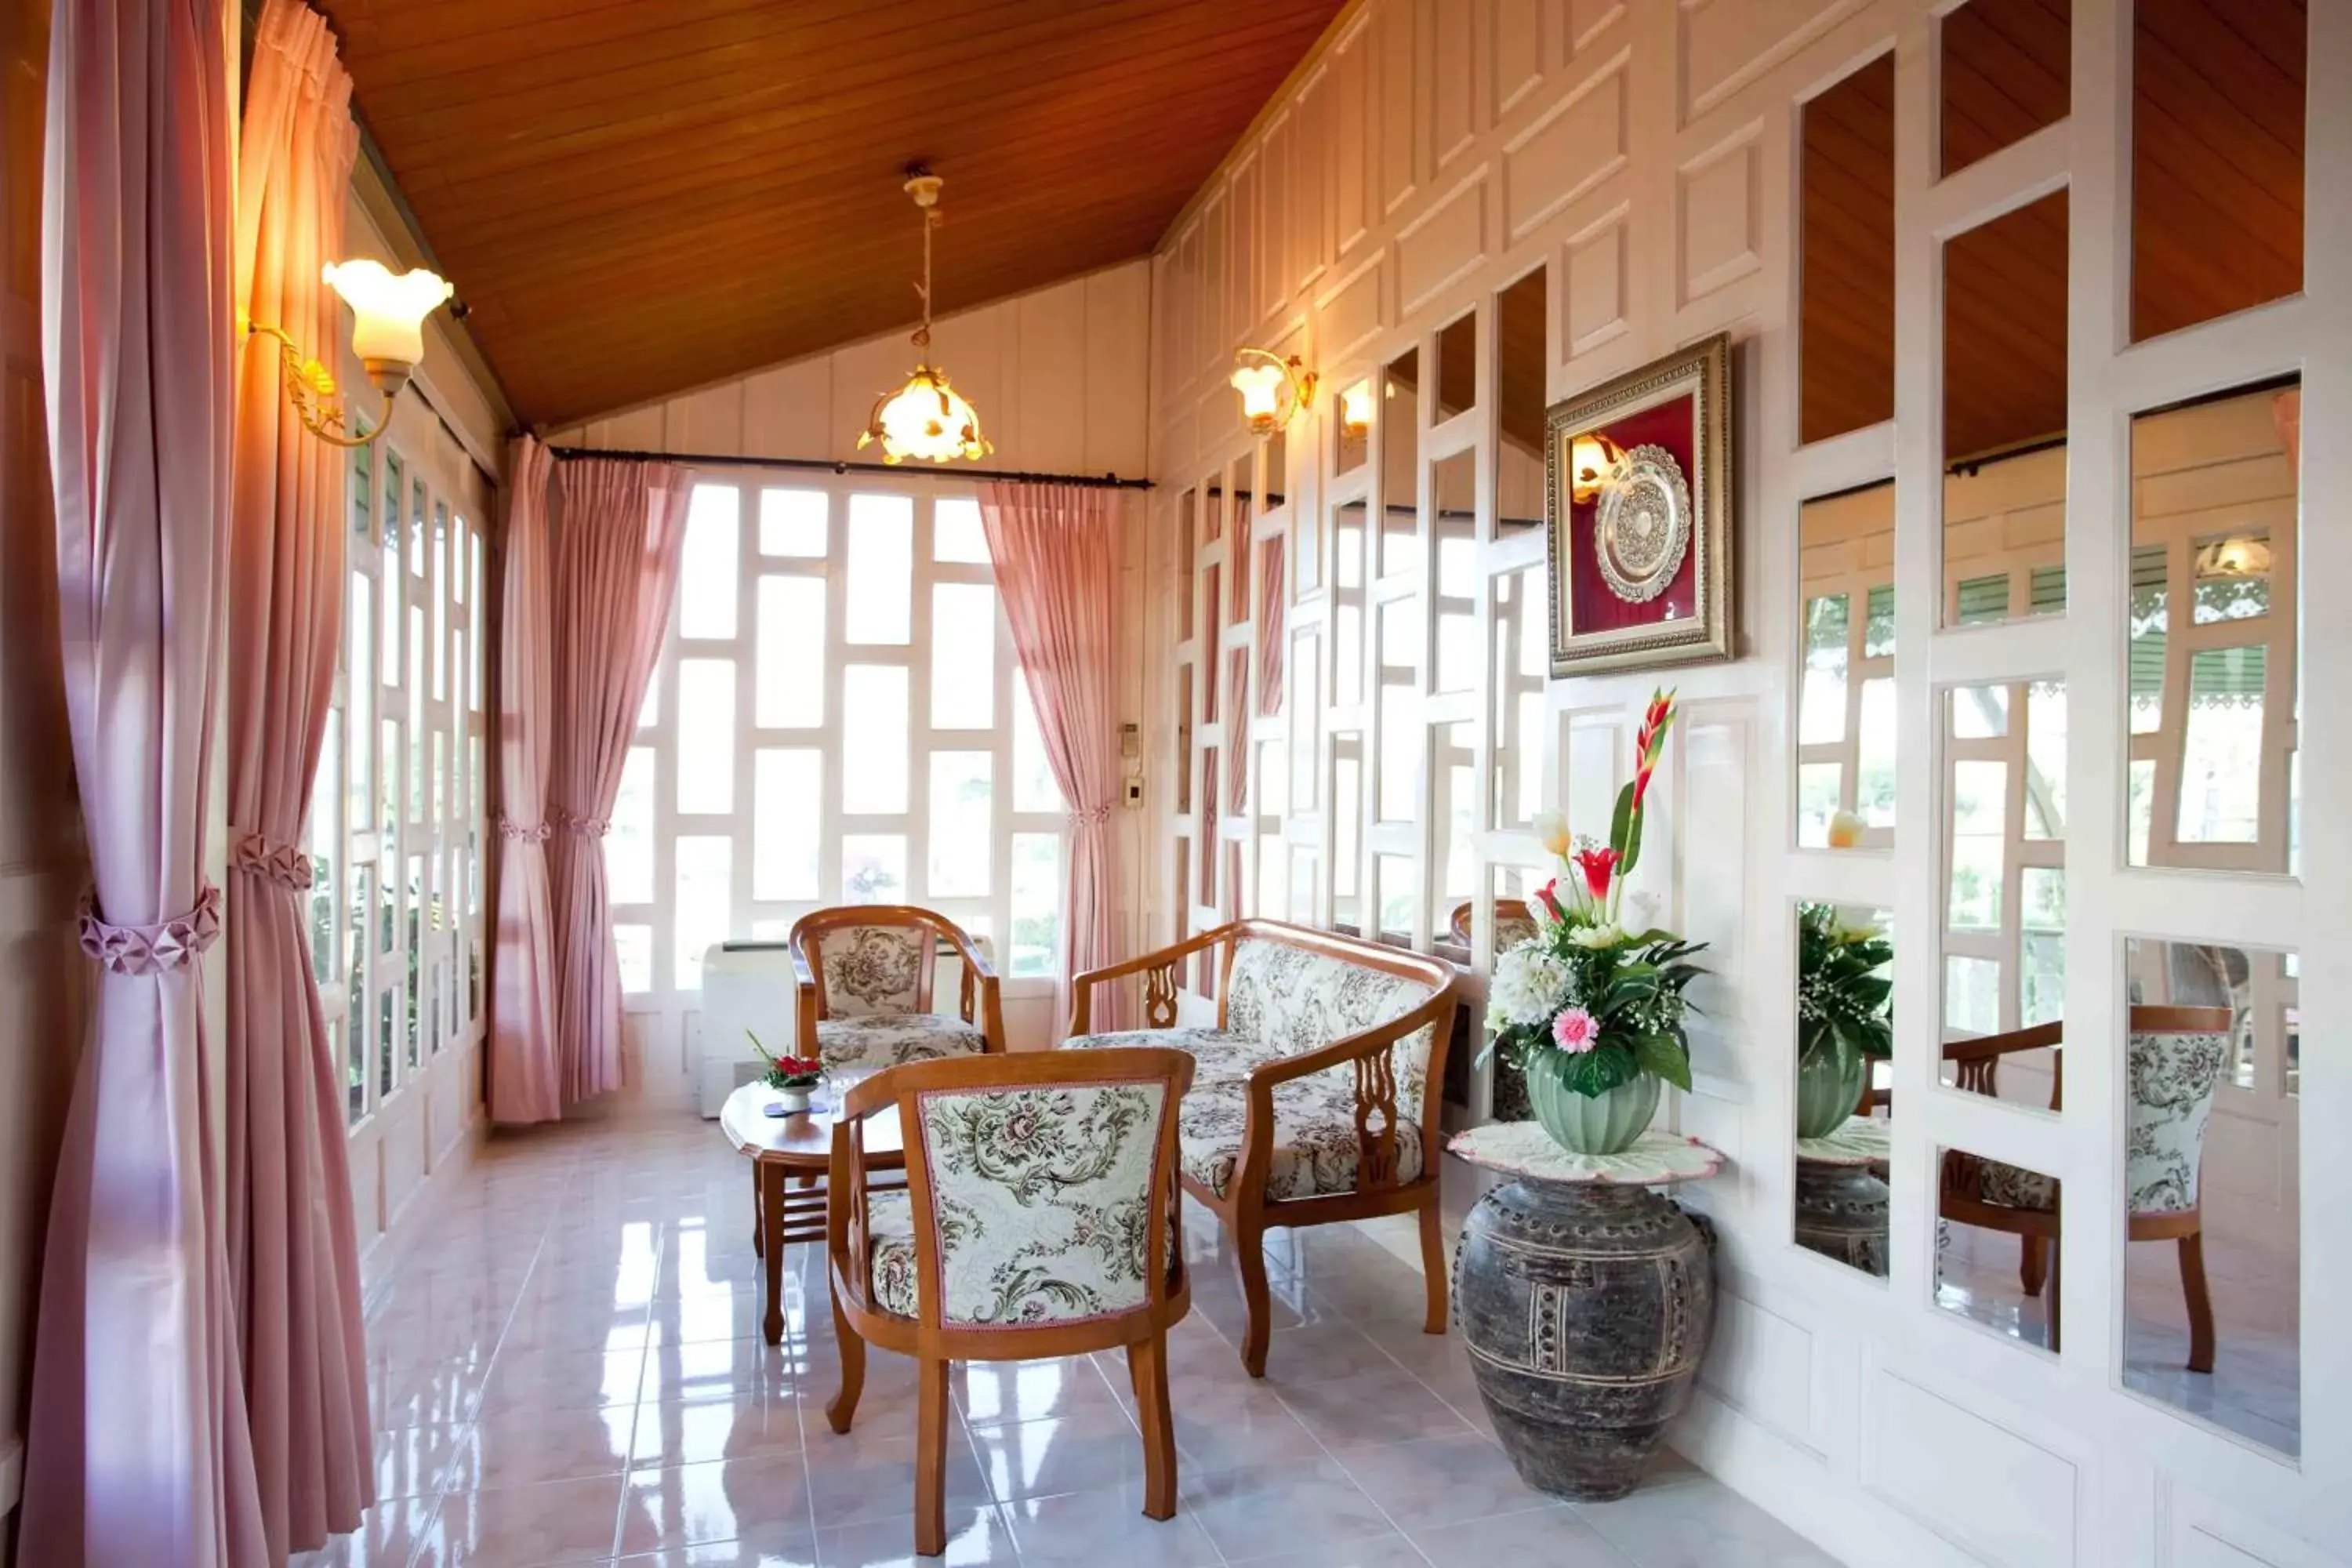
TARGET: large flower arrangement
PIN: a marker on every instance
(1843, 995)
(1585, 1002)
(1844, 1015)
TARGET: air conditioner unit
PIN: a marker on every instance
(750, 985)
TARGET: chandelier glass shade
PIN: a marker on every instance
(925, 419)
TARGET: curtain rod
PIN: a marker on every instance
(841, 466)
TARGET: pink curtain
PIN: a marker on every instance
(1270, 647)
(524, 1075)
(618, 532)
(293, 1251)
(1055, 549)
(136, 1451)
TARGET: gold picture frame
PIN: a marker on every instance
(1640, 531)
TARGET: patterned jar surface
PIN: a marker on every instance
(1585, 1308)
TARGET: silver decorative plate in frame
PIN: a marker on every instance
(1643, 529)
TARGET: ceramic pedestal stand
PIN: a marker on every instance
(1585, 1301)
(1841, 1200)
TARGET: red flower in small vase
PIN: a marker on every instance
(1598, 865)
(1551, 901)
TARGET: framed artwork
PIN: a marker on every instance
(1639, 516)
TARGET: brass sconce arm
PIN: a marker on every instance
(310, 386)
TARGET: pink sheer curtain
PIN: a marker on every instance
(1055, 549)
(293, 1253)
(525, 1075)
(136, 1451)
(619, 528)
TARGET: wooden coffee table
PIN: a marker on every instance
(795, 1146)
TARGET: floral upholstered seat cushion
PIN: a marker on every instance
(1315, 1147)
(890, 1247)
(1217, 1055)
(2014, 1186)
(1291, 1000)
(892, 1039)
(1043, 1200)
(871, 970)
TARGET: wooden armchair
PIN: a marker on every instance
(866, 973)
(2175, 1061)
(1006, 1246)
(1315, 1094)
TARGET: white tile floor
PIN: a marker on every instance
(571, 1372)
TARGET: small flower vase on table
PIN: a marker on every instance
(1589, 1012)
(793, 1079)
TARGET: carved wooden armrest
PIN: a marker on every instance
(1372, 1054)
(1158, 967)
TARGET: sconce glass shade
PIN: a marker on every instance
(1261, 387)
(926, 420)
(387, 312)
(1591, 461)
(1356, 408)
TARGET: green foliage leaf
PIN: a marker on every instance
(1597, 1071)
(1666, 1057)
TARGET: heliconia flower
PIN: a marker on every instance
(1641, 785)
(1551, 901)
(1551, 832)
(1575, 1032)
(1598, 865)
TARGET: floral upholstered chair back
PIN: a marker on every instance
(1045, 1198)
(867, 970)
(2176, 1061)
(1291, 1000)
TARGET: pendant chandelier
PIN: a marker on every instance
(925, 419)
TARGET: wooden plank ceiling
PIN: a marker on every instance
(638, 196)
(2216, 207)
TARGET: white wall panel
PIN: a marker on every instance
(1944, 1464)
(1574, 147)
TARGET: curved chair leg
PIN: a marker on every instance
(2200, 1302)
(931, 1457)
(1433, 1264)
(842, 1408)
(2031, 1264)
(1147, 1361)
(1249, 1250)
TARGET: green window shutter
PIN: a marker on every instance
(2048, 593)
(1983, 599)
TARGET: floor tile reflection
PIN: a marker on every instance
(573, 1373)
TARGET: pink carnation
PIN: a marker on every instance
(1575, 1031)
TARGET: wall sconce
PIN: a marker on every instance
(1273, 388)
(387, 333)
(2239, 555)
(1356, 410)
(1592, 464)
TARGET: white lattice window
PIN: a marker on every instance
(396, 817)
(837, 717)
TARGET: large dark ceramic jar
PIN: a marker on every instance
(1585, 1305)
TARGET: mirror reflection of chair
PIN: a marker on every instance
(866, 972)
(1514, 923)
(1040, 1216)
(2174, 1065)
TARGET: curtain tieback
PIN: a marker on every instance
(586, 826)
(283, 864)
(1090, 816)
(535, 833)
(156, 949)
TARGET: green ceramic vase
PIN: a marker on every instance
(1829, 1088)
(1591, 1123)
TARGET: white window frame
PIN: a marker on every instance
(771, 919)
